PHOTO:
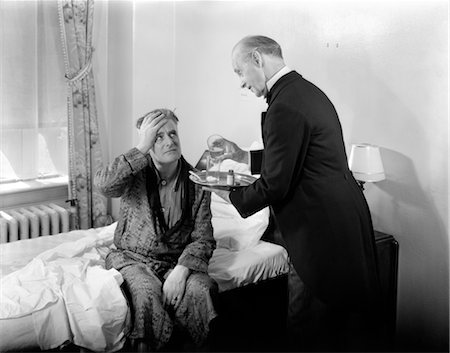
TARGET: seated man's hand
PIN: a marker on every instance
(174, 286)
(148, 128)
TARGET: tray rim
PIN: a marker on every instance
(221, 186)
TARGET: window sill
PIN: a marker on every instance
(33, 192)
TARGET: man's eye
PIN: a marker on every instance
(158, 138)
(173, 134)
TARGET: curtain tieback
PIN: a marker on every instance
(82, 73)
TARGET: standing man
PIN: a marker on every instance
(319, 208)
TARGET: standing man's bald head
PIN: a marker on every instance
(255, 60)
(264, 45)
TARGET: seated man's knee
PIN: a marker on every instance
(200, 284)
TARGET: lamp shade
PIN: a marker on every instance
(365, 163)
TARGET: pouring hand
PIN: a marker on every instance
(233, 151)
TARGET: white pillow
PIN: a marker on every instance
(231, 231)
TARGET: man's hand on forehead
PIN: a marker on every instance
(153, 115)
(154, 120)
(148, 130)
(148, 117)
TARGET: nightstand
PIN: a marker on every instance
(387, 250)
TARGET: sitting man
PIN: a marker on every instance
(164, 236)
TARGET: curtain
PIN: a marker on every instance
(33, 116)
(76, 20)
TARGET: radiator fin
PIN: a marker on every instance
(33, 221)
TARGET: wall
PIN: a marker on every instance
(154, 68)
(114, 76)
(383, 64)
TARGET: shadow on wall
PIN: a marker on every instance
(423, 264)
(403, 185)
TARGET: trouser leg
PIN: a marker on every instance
(314, 326)
(308, 322)
(196, 310)
(151, 322)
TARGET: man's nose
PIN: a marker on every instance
(243, 84)
(168, 140)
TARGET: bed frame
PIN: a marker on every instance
(252, 318)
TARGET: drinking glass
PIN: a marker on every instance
(216, 149)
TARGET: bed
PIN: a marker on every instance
(56, 293)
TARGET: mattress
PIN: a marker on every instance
(49, 321)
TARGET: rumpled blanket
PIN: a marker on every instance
(74, 273)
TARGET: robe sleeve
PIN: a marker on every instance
(113, 179)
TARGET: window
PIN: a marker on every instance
(33, 108)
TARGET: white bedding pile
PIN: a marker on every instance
(71, 275)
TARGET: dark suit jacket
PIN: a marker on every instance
(319, 208)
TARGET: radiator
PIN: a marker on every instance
(33, 221)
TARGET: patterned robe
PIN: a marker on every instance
(147, 249)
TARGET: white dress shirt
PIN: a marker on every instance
(270, 82)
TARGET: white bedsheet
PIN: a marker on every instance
(60, 284)
(95, 310)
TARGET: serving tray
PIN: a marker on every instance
(210, 179)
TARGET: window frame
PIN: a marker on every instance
(32, 192)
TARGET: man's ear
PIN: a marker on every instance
(257, 58)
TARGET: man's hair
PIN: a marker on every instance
(166, 112)
(264, 45)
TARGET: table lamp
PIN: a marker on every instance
(366, 164)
